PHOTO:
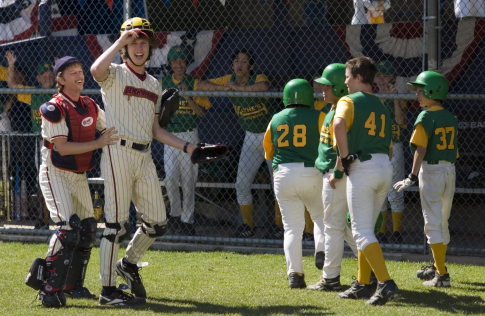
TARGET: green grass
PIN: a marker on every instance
(222, 283)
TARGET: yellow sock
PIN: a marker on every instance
(439, 253)
(247, 214)
(396, 221)
(373, 253)
(384, 218)
(277, 214)
(364, 269)
(308, 223)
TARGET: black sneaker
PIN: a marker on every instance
(79, 292)
(319, 260)
(385, 292)
(118, 297)
(382, 238)
(324, 284)
(372, 279)
(132, 278)
(356, 292)
(187, 229)
(275, 232)
(426, 272)
(439, 280)
(307, 236)
(52, 299)
(297, 281)
(396, 238)
(244, 231)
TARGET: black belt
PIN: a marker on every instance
(135, 146)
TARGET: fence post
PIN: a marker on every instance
(126, 9)
(432, 28)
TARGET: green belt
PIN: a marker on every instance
(306, 164)
(365, 157)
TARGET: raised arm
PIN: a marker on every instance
(169, 139)
(11, 59)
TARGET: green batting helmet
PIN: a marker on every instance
(177, 51)
(334, 75)
(435, 86)
(377, 227)
(386, 67)
(298, 92)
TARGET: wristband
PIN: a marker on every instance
(337, 174)
(185, 146)
(413, 177)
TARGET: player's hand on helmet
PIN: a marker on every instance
(346, 161)
(11, 58)
(108, 137)
(128, 37)
(406, 183)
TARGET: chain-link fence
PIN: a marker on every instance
(236, 52)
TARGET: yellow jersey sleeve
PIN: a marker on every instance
(201, 101)
(261, 78)
(404, 109)
(318, 105)
(320, 121)
(3, 73)
(268, 144)
(419, 137)
(221, 81)
(25, 98)
(345, 110)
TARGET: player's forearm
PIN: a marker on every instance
(167, 138)
(338, 164)
(12, 84)
(209, 86)
(262, 86)
(65, 147)
(100, 68)
(418, 159)
(340, 130)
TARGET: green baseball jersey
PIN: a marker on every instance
(36, 101)
(371, 129)
(397, 136)
(327, 156)
(253, 113)
(185, 119)
(294, 133)
(441, 127)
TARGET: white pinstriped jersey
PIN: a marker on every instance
(131, 102)
(51, 131)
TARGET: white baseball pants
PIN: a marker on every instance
(367, 186)
(297, 186)
(436, 190)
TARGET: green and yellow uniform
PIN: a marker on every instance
(327, 155)
(322, 106)
(397, 136)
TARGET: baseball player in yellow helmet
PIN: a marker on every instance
(435, 150)
(132, 101)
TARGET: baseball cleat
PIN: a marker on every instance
(439, 280)
(386, 291)
(356, 292)
(244, 231)
(131, 276)
(297, 280)
(79, 292)
(324, 284)
(275, 232)
(52, 299)
(426, 272)
(319, 260)
(372, 279)
(382, 238)
(118, 297)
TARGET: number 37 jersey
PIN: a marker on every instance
(293, 136)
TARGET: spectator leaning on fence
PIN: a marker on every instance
(386, 80)
(178, 166)
(254, 115)
(435, 150)
(370, 11)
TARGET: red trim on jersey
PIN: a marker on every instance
(58, 136)
(141, 77)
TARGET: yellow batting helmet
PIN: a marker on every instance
(136, 23)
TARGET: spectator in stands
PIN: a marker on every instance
(386, 80)
(319, 103)
(254, 114)
(6, 103)
(370, 11)
(469, 8)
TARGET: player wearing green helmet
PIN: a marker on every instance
(291, 140)
(178, 166)
(435, 150)
(334, 195)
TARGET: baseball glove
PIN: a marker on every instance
(169, 105)
(205, 153)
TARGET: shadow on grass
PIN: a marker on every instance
(444, 302)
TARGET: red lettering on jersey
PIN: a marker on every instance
(140, 93)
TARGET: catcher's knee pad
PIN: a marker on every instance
(57, 267)
(123, 232)
(69, 238)
(77, 271)
(87, 233)
(154, 229)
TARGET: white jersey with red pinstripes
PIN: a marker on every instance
(131, 102)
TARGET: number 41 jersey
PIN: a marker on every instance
(295, 135)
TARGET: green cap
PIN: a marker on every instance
(377, 226)
(298, 92)
(435, 86)
(43, 67)
(386, 67)
(177, 51)
(334, 75)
